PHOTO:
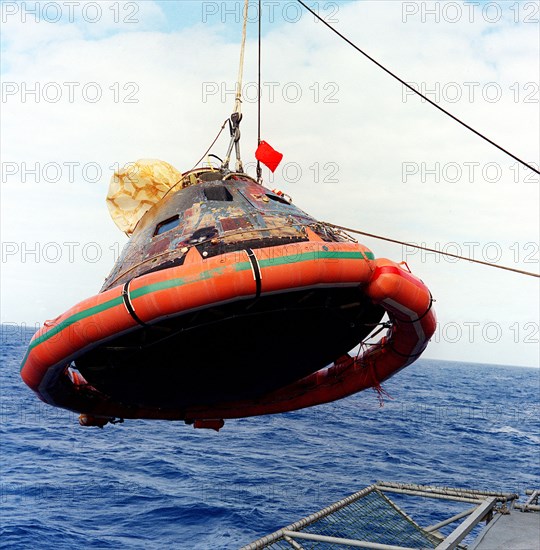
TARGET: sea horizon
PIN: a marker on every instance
(155, 484)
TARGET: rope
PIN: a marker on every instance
(236, 117)
(416, 91)
(259, 169)
(238, 99)
(412, 245)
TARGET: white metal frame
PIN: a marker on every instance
(484, 504)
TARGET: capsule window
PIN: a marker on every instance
(278, 199)
(167, 225)
(218, 193)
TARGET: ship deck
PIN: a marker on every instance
(371, 519)
(519, 530)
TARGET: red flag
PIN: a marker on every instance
(268, 156)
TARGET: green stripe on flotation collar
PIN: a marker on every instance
(70, 321)
(204, 275)
(317, 255)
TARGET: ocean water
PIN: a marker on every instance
(146, 484)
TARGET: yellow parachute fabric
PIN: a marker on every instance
(135, 188)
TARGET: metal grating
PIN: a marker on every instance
(373, 518)
(369, 519)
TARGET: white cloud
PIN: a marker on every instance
(372, 134)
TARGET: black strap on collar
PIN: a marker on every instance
(256, 270)
(129, 305)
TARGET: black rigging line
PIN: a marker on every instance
(211, 145)
(416, 91)
(259, 169)
(434, 250)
